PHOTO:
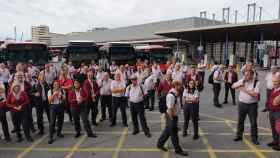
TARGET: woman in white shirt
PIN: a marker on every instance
(191, 102)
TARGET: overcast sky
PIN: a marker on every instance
(64, 16)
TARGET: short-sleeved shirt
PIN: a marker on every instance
(57, 100)
(186, 94)
(117, 84)
(244, 97)
(136, 93)
(171, 101)
(219, 75)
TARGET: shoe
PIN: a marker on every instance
(195, 137)
(103, 119)
(182, 153)
(92, 135)
(218, 106)
(60, 135)
(162, 148)
(225, 102)
(125, 125)
(135, 132)
(185, 133)
(151, 109)
(112, 124)
(77, 135)
(13, 131)
(272, 144)
(94, 123)
(264, 110)
(277, 148)
(50, 141)
(30, 139)
(148, 135)
(256, 142)
(238, 139)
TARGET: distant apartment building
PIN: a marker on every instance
(41, 34)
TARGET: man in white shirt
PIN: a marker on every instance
(105, 96)
(201, 70)
(269, 84)
(135, 93)
(118, 101)
(149, 85)
(171, 128)
(249, 95)
(177, 74)
(218, 79)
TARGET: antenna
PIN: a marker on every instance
(15, 33)
(21, 38)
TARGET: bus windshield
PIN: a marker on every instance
(122, 53)
(83, 53)
(161, 55)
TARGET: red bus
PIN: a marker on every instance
(155, 53)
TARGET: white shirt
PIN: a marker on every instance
(117, 84)
(215, 67)
(50, 76)
(187, 94)
(201, 67)
(4, 75)
(218, 76)
(136, 93)
(156, 71)
(113, 69)
(57, 100)
(268, 79)
(170, 101)
(244, 97)
(105, 87)
(149, 83)
(177, 76)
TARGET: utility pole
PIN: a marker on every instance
(235, 19)
(254, 12)
(226, 14)
(260, 16)
(15, 33)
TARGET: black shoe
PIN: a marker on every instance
(225, 102)
(185, 133)
(148, 135)
(103, 119)
(29, 139)
(125, 125)
(112, 124)
(182, 153)
(77, 135)
(195, 137)
(264, 110)
(218, 106)
(13, 131)
(50, 141)
(277, 148)
(162, 148)
(256, 142)
(272, 144)
(135, 132)
(92, 135)
(60, 135)
(151, 109)
(94, 123)
(238, 139)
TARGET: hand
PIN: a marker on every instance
(37, 94)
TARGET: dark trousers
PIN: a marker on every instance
(21, 119)
(268, 91)
(81, 112)
(171, 130)
(56, 116)
(191, 111)
(4, 122)
(119, 102)
(252, 111)
(202, 75)
(93, 109)
(232, 91)
(138, 110)
(40, 109)
(216, 90)
(106, 102)
(273, 116)
(150, 99)
(30, 117)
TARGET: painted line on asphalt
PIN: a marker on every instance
(209, 147)
(76, 146)
(162, 126)
(120, 143)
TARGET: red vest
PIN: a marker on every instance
(274, 93)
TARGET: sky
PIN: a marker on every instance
(65, 16)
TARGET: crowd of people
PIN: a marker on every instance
(78, 92)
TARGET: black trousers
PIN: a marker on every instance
(4, 122)
(30, 116)
(138, 110)
(202, 75)
(56, 116)
(216, 90)
(171, 130)
(191, 111)
(40, 109)
(232, 91)
(150, 99)
(93, 109)
(252, 111)
(273, 116)
(268, 91)
(119, 102)
(106, 102)
(81, 112)
(21, 119)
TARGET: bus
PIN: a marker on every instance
(81, 52)
(34, 52)
(155, 53)
(120, 53)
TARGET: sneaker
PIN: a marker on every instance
(135, 132)
(182, 153)
(92, 135)
(50, 141)
(148, 135)
(238, 139)
(225, 102)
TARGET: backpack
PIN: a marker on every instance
(211, 78)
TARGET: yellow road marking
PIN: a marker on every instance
(210, 149)
(120, 143)
(29, 149)
(248, 143)
(162, 126)
(75, 147)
